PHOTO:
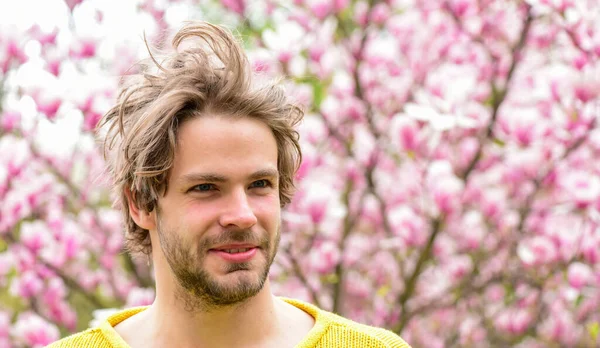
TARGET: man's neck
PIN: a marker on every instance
(261, 321)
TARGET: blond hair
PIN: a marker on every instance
(210, 76)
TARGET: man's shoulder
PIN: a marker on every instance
(90, 338)
(332, 330)
(360, 335)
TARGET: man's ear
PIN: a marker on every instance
(142, 218)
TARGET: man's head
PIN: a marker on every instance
(204, 160)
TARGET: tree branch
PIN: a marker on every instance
(498, 96)
(70, 282)
(498, 99)
(411, 282)
(298, 271)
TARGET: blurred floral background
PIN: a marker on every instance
(450, 188)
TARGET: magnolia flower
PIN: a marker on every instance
(579, 275)
(140, 297)
(537, 251)
(435, 119)
(99, 315)
(33, 331)
(324, 257)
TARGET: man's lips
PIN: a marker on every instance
(235, 252)
(234, 246)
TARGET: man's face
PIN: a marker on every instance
(218, 224)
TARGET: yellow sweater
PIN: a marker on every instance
(330, 331)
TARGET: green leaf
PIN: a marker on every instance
(499, 142)
(594, 329)
(578, 300)
(331, 278)
(318, 94)
(382, 291)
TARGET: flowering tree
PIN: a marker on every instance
(450, 188)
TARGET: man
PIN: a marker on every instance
(203, 161)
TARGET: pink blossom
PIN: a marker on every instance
(358, 286)
(514, 321)
(360, 246)
(459, 266)
(494, 203)
(407, 224)
(73, 3)
(495, 293)
(444, 186)
(91, 120)
(107, 261)
(140, 297)
(341, 5)
(325, 257)
(471, 332)
(468, 149)
(43, 37)
(49, 107)
(380, 13)
(317, 211)
(461, 7)
(579, 275)
(587, 91)
(83, 48)
(53, 66)
(580, 61)
(61, 312)
(4, 325)
(360, 13)
(523, 126)
(237, 6)
(6, 264)
(355, 109)
(15, 208)
(320, 8)
(35, 235)
(10, 120)
(590, 248)
(319, 205)
(407, 132)
(33, 331)
(55, 291)
(537, 251)
(11, 53)
(560, 327)
(27, 285)
(583, 187)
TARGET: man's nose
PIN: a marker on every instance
(238, 211)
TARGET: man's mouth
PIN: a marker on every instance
(235, 251)
(235, 254)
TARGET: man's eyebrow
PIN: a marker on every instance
(212, 177)
(195, 177)
(265, 173)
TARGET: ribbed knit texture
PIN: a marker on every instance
(330, 331)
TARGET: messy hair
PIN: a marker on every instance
(210, 75)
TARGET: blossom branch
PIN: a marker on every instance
(70, 282)
(75, 192)
(302, 277)
(498, 95)
(436, 223)
(525, 211)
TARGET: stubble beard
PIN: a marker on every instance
(198, 290)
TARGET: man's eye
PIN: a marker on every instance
(261, 183)
(203, 187)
